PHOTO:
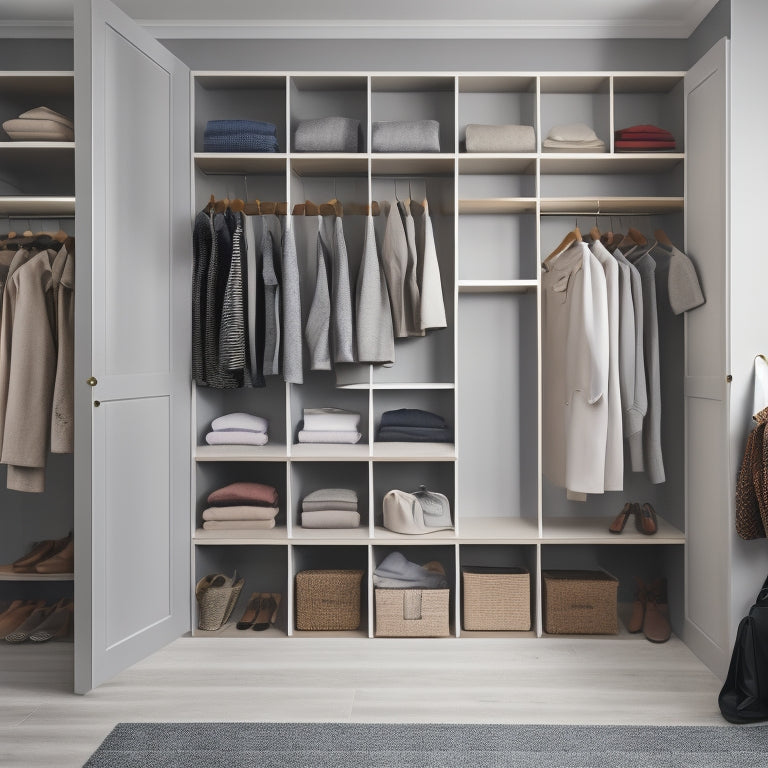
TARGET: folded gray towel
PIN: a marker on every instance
(500, 138)
(406, 136)
(395, 572)
(338, 436)
(328, 134)
(330, 518)
(333, 495)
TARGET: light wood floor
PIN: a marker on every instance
(552, 680)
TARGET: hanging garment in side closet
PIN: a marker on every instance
(375, 338)
(252, 281)
(412, 294)
(394, 257)
(202, 234)
(341, 298)
(633, 417)
(317, 331)
(614, 451)
(626, 341)
(233, 342)
(293, 364)
(6, 257)
(28, 369)
(575, 342)
(271, 259)
(653, 460)
(432, 304)
(63, 413)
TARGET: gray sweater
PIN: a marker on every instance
(291, 293)
(318, 325)
(341, 299)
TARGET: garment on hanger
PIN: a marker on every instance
(575, 373)
(375, 338)
(271, 261)
(683, 284)
(412, 293)
(752, 484)
(634, 415)
(651, 437)
(394, 257)
(342, 335)
(293, 348)
(233, 341)
(202, 233)
(63, 410)
(317, 330)
(614, 452)
(432, 306)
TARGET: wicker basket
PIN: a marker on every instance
(580, 603)
(216, 597)
(328, 600)
(496, 598)
(412, 612)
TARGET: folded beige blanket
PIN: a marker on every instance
(238, 525)
(240, 513)
(500, 138)
(330, 518)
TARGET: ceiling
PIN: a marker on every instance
(391, 19)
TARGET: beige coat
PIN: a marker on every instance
(30, 377)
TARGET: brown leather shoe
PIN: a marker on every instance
(12, 619)
(26, 628)
(62, 562)
(58, 625)
(617, 526)
(40, 551)
(636, 618)
(645, 519)
(656, 626)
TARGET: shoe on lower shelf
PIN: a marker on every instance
(645, 519)
(13, 618)
(656, 626)
(40, 551)
(32, 623)
(637, 617)
(58, 625)
(62, 561)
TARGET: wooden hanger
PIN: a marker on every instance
(252, 208)
(594, 233)
(661, 236)
(574, 236)
(236, 205)
(633, 238)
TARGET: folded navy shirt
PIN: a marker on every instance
(414, 435)
(412, 417)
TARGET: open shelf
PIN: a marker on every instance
(268, 452)
(498, 205)
(276, 535)
(6, 574)
(494, 163)
(330, 452)
(498, 530)
(412, 164)
(498, 286)
(330, 536)
(414, 452)
(621, 162)
(37, 206)
(594, 530)
(263, 164)
(329, 164)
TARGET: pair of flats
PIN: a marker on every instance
(645, 518)
(48, 556)
(260, 612)
(650, 611)
(34, 620)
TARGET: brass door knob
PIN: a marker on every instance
(91, 381)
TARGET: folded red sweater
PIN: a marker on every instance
(635, 131)
(626, 144)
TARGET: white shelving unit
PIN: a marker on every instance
(496, 216)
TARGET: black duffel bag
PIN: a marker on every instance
(744, 696)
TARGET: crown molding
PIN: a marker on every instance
(36, 29)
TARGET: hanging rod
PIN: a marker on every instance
(31, 216)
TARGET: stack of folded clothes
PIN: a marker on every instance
(328, 134)
(239, 136)
(330, 508)
(575, 137)
(411, 425)
(405, 136)
(500, 138)
(241, 506)
(238, 429)
(395, 572)
(40, 124)
(329, 425)
(645, 138)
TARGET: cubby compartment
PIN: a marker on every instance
(314, 97)
(333, 557)
(410, 476)
(437, 401)
(498, 397)
(240, 97)
(496, 594)
(407, 98)
(601, 186)
(627, 564)
(264, 569)
(307, 477)
(319, 391)
(576, 99)
(268, 402)
(496, 100)
(650, 100)
(214, 475)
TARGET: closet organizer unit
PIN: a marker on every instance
(496, 217)
(37, 188)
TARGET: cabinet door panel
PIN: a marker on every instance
(132, 474)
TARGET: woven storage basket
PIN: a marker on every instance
(496, 598)
(412, 612)
(216, 597)
(328, 600)
(580, 603)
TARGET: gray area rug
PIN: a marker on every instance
(344, 745)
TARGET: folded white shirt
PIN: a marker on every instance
(240, 512)
(330, 518)
(233, 437)
(331, 419)
(245, 422)
(320, 436)
(572, 132)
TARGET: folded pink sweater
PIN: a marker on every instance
(244, 493)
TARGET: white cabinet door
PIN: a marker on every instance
(707, 362)
(132, 470)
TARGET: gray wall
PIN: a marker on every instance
(715, 25)
(451, 55)
(27, 54)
